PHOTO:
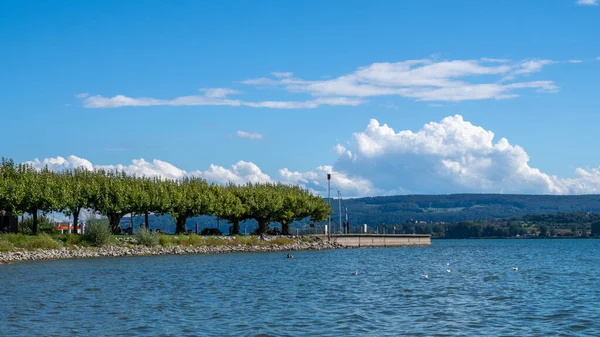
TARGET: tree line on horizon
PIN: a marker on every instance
(113, 194)
(562, 224)
(463, 207)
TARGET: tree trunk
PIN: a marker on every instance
(236, 227)
(75, 220)
(35, 222)
(180, 221)
(263, 225)
(285, 228)
(114, 219)
(146, 220)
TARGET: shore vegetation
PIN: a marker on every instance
(113, 194)
(10, 241)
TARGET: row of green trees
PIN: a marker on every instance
(24, 189)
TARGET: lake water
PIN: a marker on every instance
(556, 291)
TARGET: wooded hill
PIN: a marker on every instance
(451, 208)
(461, 207)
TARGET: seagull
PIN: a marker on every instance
(425, 276)
(515, 268)
(448, 270)
(355, 273)
(447, 264)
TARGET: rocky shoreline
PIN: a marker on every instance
(139, 250)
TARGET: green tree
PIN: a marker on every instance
(319, 209)
(573, 229)
(77, 191)
(149, 195)
(159, 198)
(543, 230)
(263, 202)
(440, 230)
(490, 230)
(409, 228)
(476, 230)
(230, 207)
(42, 193)
(460, 230)
(189, 197)
(513, 229)
(596, 228)
(114, 196)
(297, 205)
(12, 187)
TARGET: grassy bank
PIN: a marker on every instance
(17, 247)
(13, 242)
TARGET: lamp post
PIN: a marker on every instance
(329, 202)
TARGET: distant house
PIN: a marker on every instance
(64, 227)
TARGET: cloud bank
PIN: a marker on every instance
(449, 156)
(421, 80)
(212, 97)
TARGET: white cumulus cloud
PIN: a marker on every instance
(531, 66)
(587, 2)
(316, 181)
(424, 80)
(249, 135)
(449, 156)
(239, 173)
(143, 168)
(421, 80)
(212, 97)
(219, 92)
(60, 163)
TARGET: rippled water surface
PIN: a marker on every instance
(556, 291)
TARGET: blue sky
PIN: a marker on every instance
(186, 83)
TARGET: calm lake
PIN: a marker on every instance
(556, 291)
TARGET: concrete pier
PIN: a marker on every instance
(381, 240)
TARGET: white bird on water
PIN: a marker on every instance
(355, 273)
(515, 268)
(425, 276)
(448, 270)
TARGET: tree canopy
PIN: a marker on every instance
(114, 194)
